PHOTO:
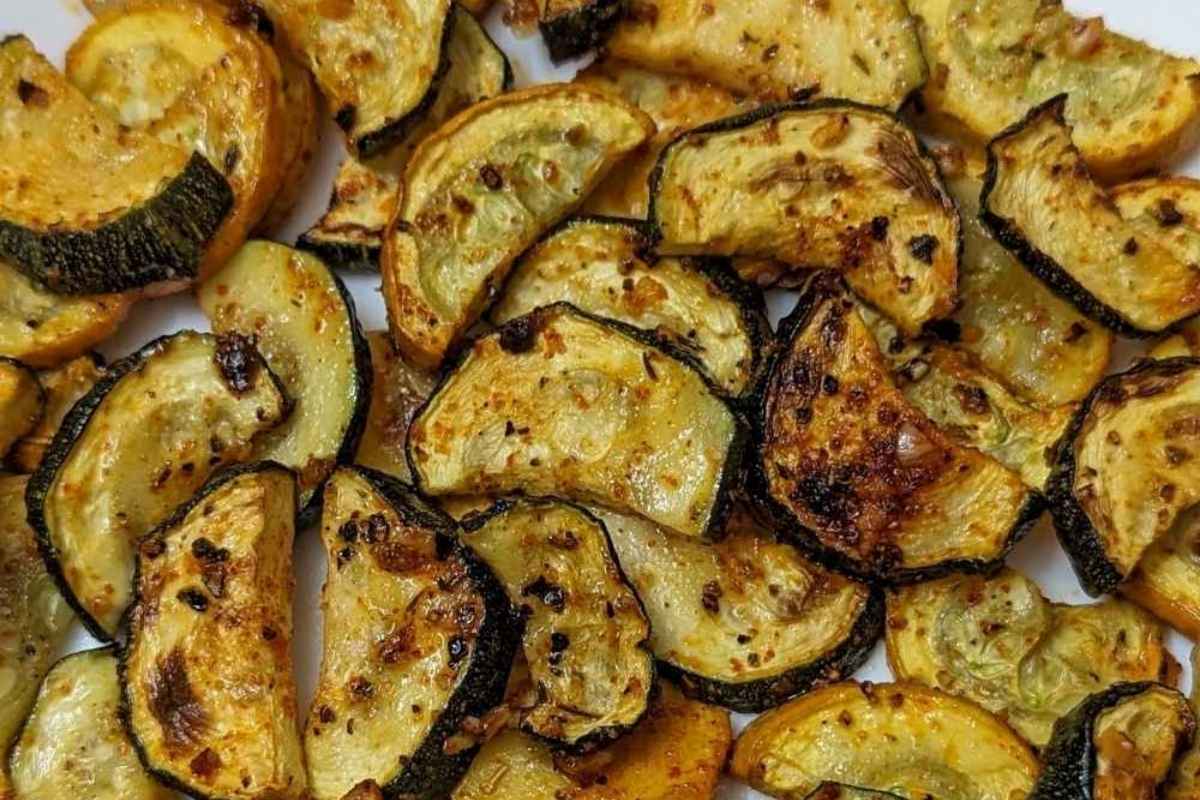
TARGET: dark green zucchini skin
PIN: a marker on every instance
(342, 255)
(752, 697)
(1069, 759)
(583, 28)
(163, 239)
(73, 426)
(1078, 536)
(776, 515)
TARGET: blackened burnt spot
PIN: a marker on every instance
(922, 247)
(205, 764)
(945, 329)
(547, 592)
(31, 94)
(245, 14)
(173, 703)
(879, 228)
(377, 529)
(238, 361)
(520, 335)
(204, 550)
(194, 599)
(828, 497)
(345, 117)
(710, 597)
(491, 177)
(1167, 213)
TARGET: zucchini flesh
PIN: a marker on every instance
(999, 642)
(585, 631)
(570, 28)
(301, 114)
(397, 391)
(73, 744)
(514, 764)
(62, 388)
(1132, 106)
(482, 189)
(1166, 576)
(350, 233)
(562, 403)
(22, 403)
(855, 179)
(1040, 202)
(155, 427)
(149, 210)
(903, 739)
(856, 475)
(1123, 475)
(747, 622)
(601, 266)
(418, 636)
(778, 50)
(206, 675)
(303, 322)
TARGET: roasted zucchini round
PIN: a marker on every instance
(397, 391)
(22, 403)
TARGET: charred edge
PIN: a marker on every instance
(580, 29)
(341, 255)
(249, 14)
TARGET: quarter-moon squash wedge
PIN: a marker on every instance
(89, 208)
(570, 28)
(22, 403)
(559, 402)
(206, 674)
(141, 441)
(829, 184)
(900, 738)
(62, 388)
(398, 390)
(853, 473)
(482, 189)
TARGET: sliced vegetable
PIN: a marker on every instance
(856, 475)
(142, 440)
(585, 632)
(514, 764)
(419, 639)
(745, 623)
(62, 388)
(999, 642)
(303, 320)
(397, 391)
(88, 207)
(560, 402)
(1166, 580)
(302, 122)
(73, 745)
(482, 189)
(780, 50)
(22, 402)
(1184, 781)
(206, 675)
(855, 179)
(898, 738)
(570, 28)
(601, 265)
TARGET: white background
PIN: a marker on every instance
(53, 24)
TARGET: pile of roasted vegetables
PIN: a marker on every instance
(581, 499)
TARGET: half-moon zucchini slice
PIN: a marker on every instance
(22, 403)
(350, 233)
(748, 622)
(1166, 580)
(855, 180)
(482, 189)
(88, 207)
(780, 50)
(571, 28)
(999, 642)
(585, 632)
(856, 475)
(1132, 107)
(1040, 202)
(206, 674)
(141, 441)
(198, 77)
(602, 265)
(73, 744)
(1118, 743)
(1124, 471)
(62, 388)
(302, 319)
(419, 640)
(379, 63)
(398, 390)
(899, 738)
(559, 402)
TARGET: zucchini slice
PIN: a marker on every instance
(864, 50)
(899, 738)
(514, 765)
(419, 637)
(1123, 474)
(571, 28)
(379, 63)
(198, 77)
(1040, 202)
(1132, 107)
(585, 632)
(856, 475)
(141, 441)
(1166, 577)
(149, 211)
(398, 390)
(999, 642)
(62, 388)
(206, 674)
(302, 121)
(73, 745)
(1116, 744)
(745, 623)
(1184, 781)
(481, 190)
(855, 179)
(560, 402)
(303, 321)
(350, 233)
(22, 403)
(601, 265)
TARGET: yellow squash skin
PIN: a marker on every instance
(22, 403)
(397, 391)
